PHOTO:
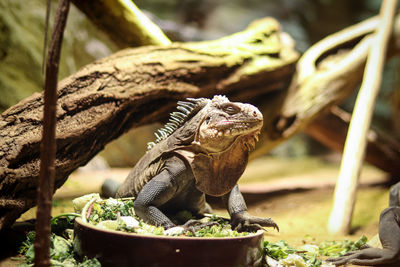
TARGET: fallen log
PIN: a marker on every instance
(128, 89)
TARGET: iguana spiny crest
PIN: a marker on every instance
(186, 110)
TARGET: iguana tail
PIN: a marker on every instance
(109, 188)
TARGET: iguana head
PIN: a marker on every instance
(214, 124)
(223, 122)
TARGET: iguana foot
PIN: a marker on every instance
(247, 227)
(190, 226)
(367, 256)
(193, 225)
(243, 221)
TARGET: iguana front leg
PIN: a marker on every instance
(241, 220)
(171, 190)
(155, 193)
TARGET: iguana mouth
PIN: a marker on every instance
(233, 128)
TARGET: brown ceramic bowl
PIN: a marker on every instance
(113, 248)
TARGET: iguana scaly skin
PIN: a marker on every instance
(203, 149)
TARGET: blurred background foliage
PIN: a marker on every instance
(307, 21)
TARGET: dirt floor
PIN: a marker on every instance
(297, 194)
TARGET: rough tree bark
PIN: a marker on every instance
(128, 89)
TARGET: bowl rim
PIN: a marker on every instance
(127, 234)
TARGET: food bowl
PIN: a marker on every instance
(114, 248)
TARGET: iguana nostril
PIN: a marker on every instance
(255, 113)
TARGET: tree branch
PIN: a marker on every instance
(354, 149)
(126, 25)
(48, 145)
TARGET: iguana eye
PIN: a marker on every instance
(207, 120)
(230, 109)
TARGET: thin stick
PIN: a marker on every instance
(48, 145)
(354, 150)
(46, 32)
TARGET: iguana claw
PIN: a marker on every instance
(245, 222)
(246, 227)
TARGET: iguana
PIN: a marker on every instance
(203, 149)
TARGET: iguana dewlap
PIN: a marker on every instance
(203, 149)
